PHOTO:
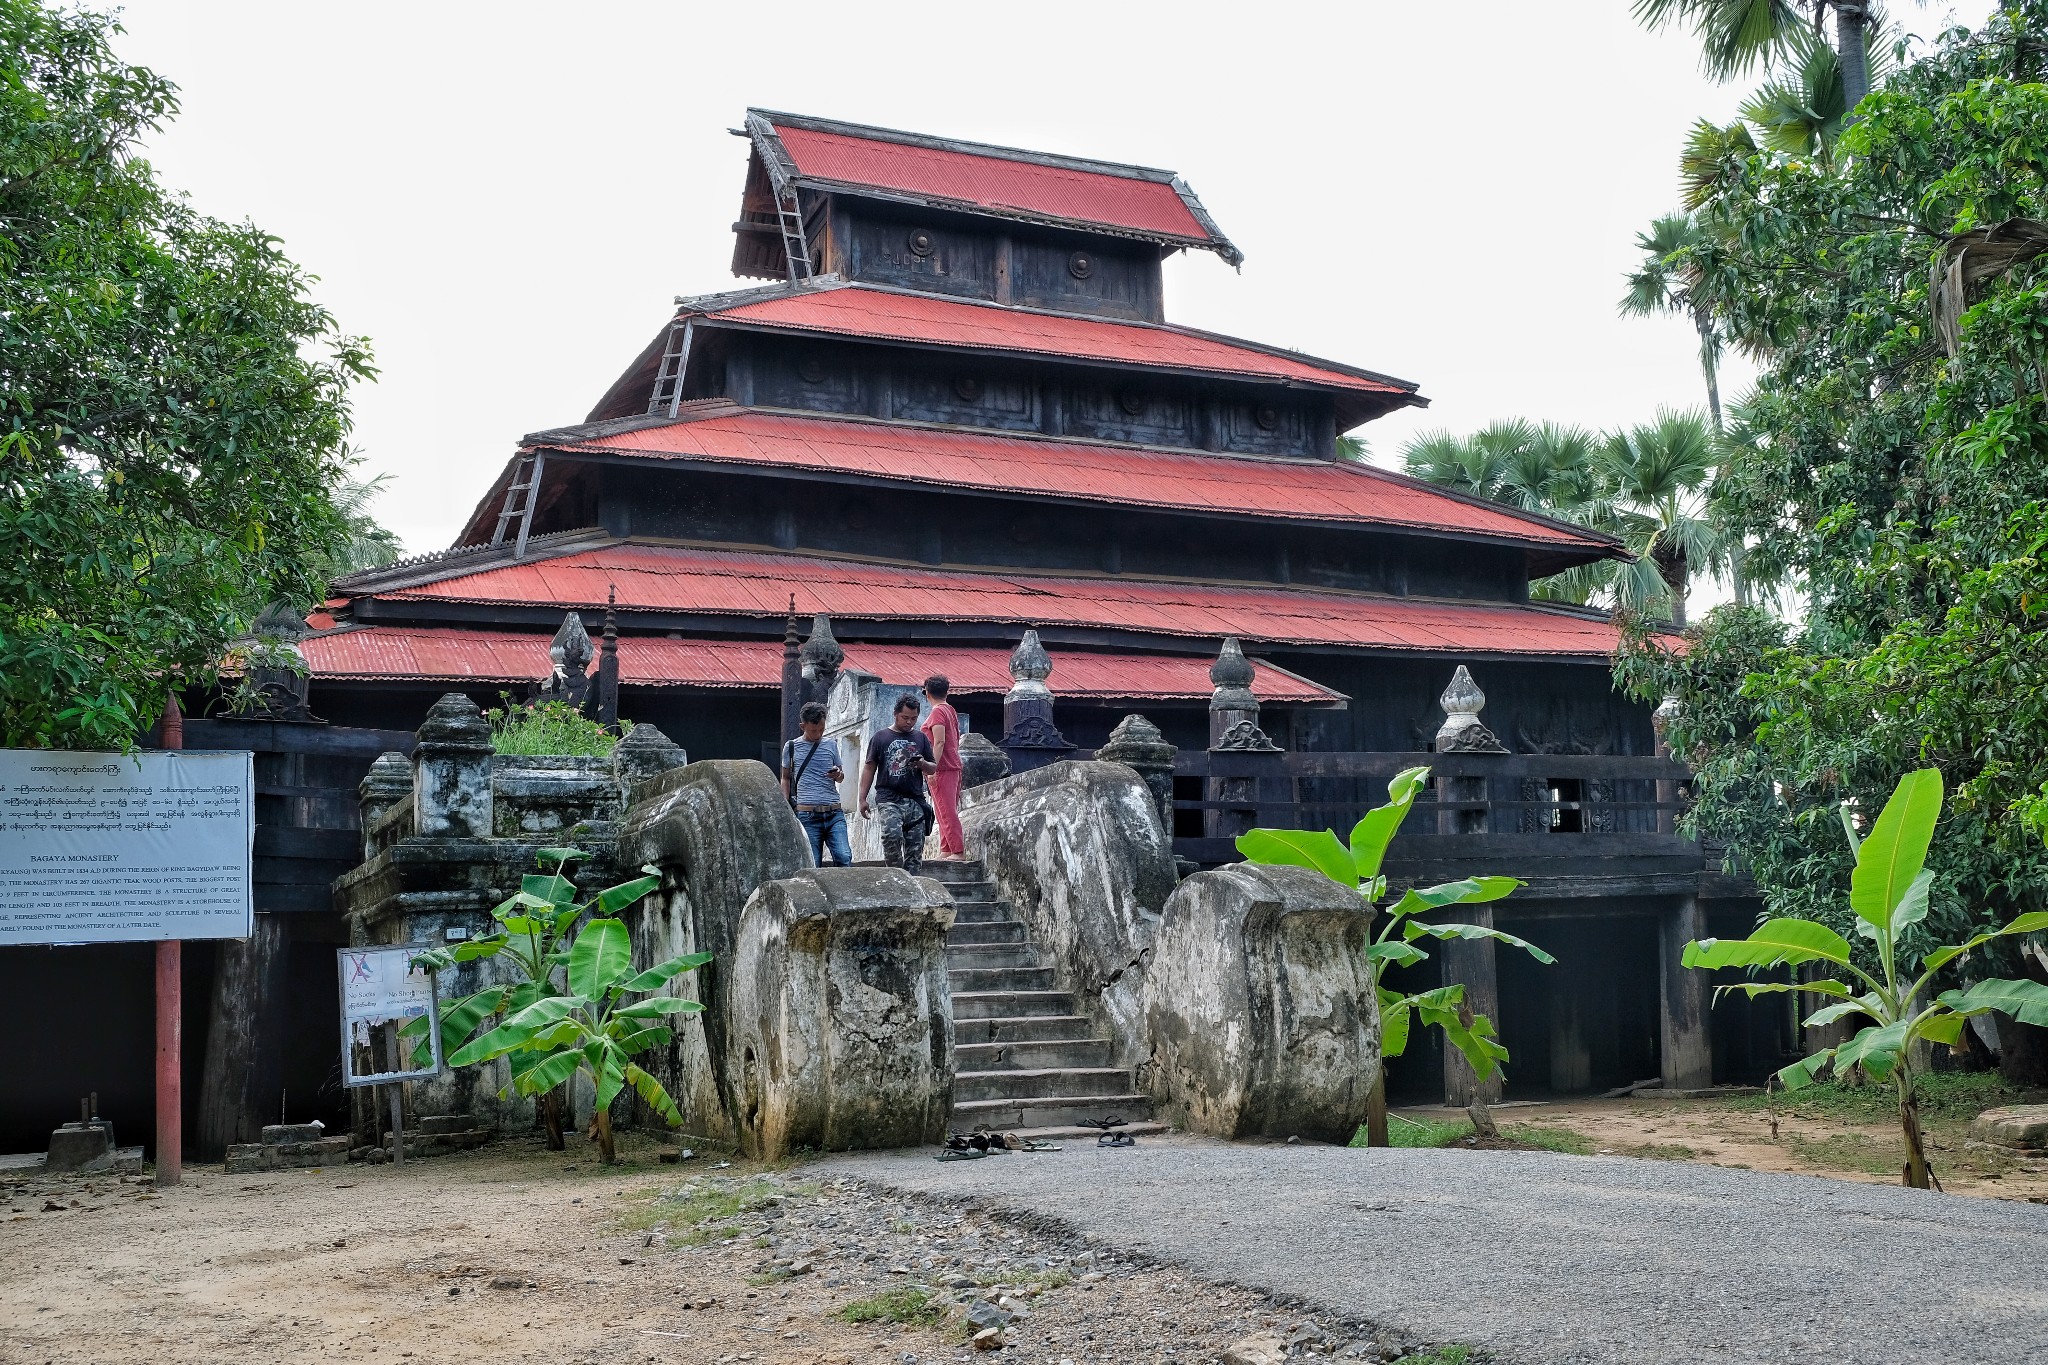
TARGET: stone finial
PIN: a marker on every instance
(1232, 674)
(980, 760)
(454, 722)
(608, 663)
(389, 779)
(571, 650)
(1245, 737)
(1462, 731)
(644, 752)
(1137, 744)
(1663, 717)
(821, 654)
(1030, 666)
(281, 621)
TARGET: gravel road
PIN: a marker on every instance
(1545, 1258)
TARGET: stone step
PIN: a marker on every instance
(982, 912)
(973, 891)
(1053, 1111)
(1020, 1084)
(1001, 979)
(987, 956)
(1033, 1054)
(1010, 1005)
(984, 931)
(1030, 1028)
(951, 870)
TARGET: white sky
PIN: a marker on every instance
(505, 198)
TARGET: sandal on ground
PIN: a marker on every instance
(1116, 1140)
(959, 1154)
(1038, 1145)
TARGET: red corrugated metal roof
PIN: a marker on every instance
(1297, 489)
(441, 654)
(677, 578)
(991, 181)
(859, 310)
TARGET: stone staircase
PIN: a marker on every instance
(1024, 1057)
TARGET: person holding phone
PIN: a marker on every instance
(810, 780)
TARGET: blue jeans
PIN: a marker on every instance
(827, 829)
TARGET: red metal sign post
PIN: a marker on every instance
(170, 1007)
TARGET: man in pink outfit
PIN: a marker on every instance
(942, 728)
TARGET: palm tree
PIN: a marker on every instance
(1544, 468)
(1661, 284)
(1802, 112)
(1660, 475)
(369, 545)
(1736, 35)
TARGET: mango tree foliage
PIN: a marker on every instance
(173, 406)
(1894, 1007)
(1900, 489)
(1398, 943)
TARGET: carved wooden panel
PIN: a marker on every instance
(960, 390)
(1147, 409)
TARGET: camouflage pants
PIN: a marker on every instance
(904, 827)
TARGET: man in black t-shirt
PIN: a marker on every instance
(897, 760)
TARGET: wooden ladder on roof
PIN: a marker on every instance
(520, 496)
(667, 398)
(789, 213)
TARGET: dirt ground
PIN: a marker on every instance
(517, 1254)
(1807, 1138)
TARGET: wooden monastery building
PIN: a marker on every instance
(957, 410)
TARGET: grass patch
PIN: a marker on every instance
(1439, 1355)
(1403, 1132)
(1549, 1139)
(1944, 1094)
(1851, 1152)
(694, 1212)
(903, 1304)
(1660, 1151)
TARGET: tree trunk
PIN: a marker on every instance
(1376, 1112)
(1851, 24)
(551, 1117)
(1916, 1175)
(607, 1150)
(1703, 323)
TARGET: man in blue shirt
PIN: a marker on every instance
(810, 779)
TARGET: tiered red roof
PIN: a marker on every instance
(655, 577)
(1344, 492)
(443, 654)
(924, 319)
(976, 177)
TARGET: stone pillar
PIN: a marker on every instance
(1462, 733)
(1137, 744)
(451, 772)
(645, 752)
(1687, 1047)
(1234, 729)
(1029, 736)
(819, 661)
(1667, 791)
(282, 687)
(792, 677)
(388, 782)
(1470, 963)
(981, 762)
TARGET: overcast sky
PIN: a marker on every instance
(505, 198)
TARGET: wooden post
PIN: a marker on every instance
(234, 1096)
(1471, 962)
(170, 1008)
(397, 1093)
(1687, 1047)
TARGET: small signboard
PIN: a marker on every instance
(381, 992)
(125, 848)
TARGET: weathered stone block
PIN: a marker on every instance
(294, 1132)
(717, 830)
(1079, 850)
(842, 1026)
(75, 1146)
(1261, 1008)
(451, 772)
(246, 1157)
(2021, 1127)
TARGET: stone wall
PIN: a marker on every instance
(842, 1025)
(1079, 850)
(717, 830)
(1260, 1006)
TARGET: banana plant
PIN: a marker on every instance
(534, 927)
(1398, 943)
(1888, 891)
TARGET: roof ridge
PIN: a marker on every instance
(690, 410)
(1055, 160)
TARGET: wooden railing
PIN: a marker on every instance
(1554, 817)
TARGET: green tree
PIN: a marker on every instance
(1901, 483)
(1356, 864)
(173, 407)
(1736, 36)
(1888, 894)
(1659, 476)
(1658, 284)
(366, 543)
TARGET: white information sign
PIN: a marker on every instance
(125, 848)
(381, 992)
